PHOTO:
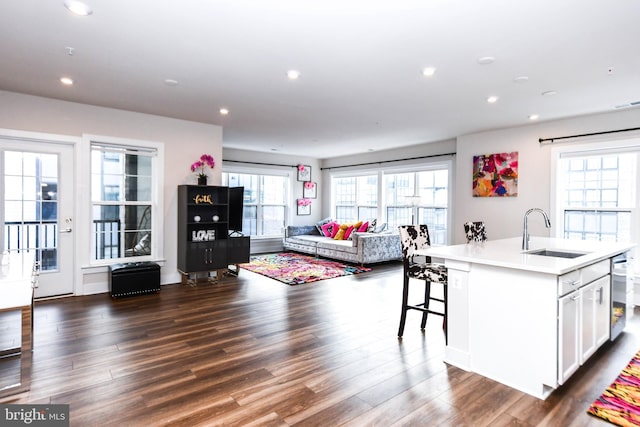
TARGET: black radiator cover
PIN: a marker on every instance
(134, 278)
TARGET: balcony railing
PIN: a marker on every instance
(39, 236)
(107, 238)
(42, 236)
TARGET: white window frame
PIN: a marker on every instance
(157, 198)
(602, 148)
(337, 176)
(410, 166)
(273, 172)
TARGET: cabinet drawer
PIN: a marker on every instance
(569, 282)
(595, 271)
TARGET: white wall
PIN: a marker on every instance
(184, 142)
(504, 215)
(398, 156)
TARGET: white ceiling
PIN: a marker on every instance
(361, 86)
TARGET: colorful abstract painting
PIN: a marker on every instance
(495, 175)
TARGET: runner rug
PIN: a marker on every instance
(296, 269)
(620, 403)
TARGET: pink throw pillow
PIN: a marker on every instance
(327, 228)
(335, 230)
(348, 232)
(364, 227)
(330, 229)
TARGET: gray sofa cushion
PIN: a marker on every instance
(337, 245)
(306, 239)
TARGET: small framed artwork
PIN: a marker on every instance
(309, 190)
(304, 173)
(495, 175)
(304, 207)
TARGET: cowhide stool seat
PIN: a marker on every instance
(475, 232)
(412, 238)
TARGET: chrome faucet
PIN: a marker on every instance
(525, 232)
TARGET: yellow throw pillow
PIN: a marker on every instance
(341, 231)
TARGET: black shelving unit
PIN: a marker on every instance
(204, 244)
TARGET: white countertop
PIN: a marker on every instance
(15, 281)
(508, 253)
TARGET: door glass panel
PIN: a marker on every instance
(30, 205)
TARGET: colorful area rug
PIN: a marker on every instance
(296, 269)
(620, 403)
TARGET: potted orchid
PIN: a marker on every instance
(206, 160)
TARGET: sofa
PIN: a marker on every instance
(361, 247)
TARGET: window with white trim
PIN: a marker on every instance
(419, 198)
(398, 196)
(356, 197)
(265, 202)
(597, 195)
(122, 201)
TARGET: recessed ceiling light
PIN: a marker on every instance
(533, 117)
(521, 79)
(78, 7)
(224, 111)
(171, 82)
(429, 71)
(549, 93)
(492, 99)
(66, 81)
(293, 74)
(486, 60)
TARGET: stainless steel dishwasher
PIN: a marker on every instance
(619, 278)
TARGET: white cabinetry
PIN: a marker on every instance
(603, 310)
(568, 338)
(583, 315)
(596, 302)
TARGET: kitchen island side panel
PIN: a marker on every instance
(513, 327)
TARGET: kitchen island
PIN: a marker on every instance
(523, 319)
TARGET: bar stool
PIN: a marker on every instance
(412, 238)
(475, 231)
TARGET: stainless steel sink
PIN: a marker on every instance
(556, 253)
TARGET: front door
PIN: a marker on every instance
(37, 214)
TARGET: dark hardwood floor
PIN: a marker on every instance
(253, 351)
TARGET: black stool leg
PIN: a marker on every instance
(445, 326)
(427, 297)
(405, 300)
